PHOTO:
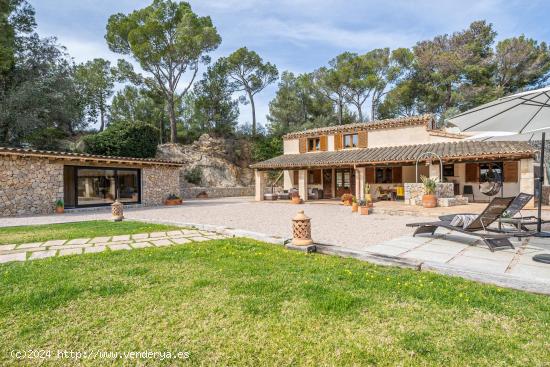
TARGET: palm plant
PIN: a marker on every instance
(430, 184)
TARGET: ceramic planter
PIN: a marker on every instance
(429, 201)
(296, 200)
(364, 210)
(354, 207)
(59, 209)
(170, 202)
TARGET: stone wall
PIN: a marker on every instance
(217, 192)
(158, 182)
(415, 191)
(29, 185)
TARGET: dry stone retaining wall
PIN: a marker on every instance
(29, 185)
(158, 182)
(217, 192)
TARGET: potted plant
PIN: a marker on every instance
(173, 199)
(347, 199)
(363, 207)
(59, 206)
(429, 200)
(354, 205)
(296, 198)
(367, 194)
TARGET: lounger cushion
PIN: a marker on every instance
(463, 220)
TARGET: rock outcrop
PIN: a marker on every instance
(223, 162)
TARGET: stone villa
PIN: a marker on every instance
(390, 155)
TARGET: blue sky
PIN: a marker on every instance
(300, 35)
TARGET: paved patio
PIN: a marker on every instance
(381, 234)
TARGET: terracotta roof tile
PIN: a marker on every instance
(371, 125)
(84, 157)
(462, 150)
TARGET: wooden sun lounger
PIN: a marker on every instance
(493, 211)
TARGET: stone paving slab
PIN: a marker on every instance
(100, 239)
(78, 241)
(42, 254)
(29, 245)
(386, 249)
(54, 243)
(141, 244)
(426, 255)
(162, 242)
(7, 247)
(70, 251)
(140, 236)
(157, 234)
(94, 249)
(21, 256)
(120, 238)
(180, 240)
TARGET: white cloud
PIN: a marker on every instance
(330, 35)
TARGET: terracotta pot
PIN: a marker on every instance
(354, 207)
(364, 210)
(59, 209)
(173, 202)
(429, 201)
(296, 200)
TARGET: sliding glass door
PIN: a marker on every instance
(97, 186)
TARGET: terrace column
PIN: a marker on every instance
(302, 184)
(287, 179)
(435, 171)
(527, 179)
(259, 178)
(360, 183)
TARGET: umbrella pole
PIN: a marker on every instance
(541, 182)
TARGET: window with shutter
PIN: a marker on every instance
(511, 171)
(363, 139)
(302, 145)
(369, 173)
(324, 143)
(397, 174)
(472, 172)
(337, 141)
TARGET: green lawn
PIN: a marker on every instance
(242, 302)
(95, 228)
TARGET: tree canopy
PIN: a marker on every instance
(249, 74)
(167, 39)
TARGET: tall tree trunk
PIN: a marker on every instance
(340, 112)
(253, 114)
(360, 112)
(101, 116)
(172, 117)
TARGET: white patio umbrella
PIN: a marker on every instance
(526, 113)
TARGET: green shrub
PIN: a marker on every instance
(194, 175)
(264, 147)
(137, 140)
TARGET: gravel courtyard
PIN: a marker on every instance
(334, 224)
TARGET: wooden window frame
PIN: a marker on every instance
(316, 147)
(354, 136)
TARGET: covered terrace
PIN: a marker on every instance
(388, 169)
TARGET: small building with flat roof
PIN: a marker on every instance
(31, 181)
